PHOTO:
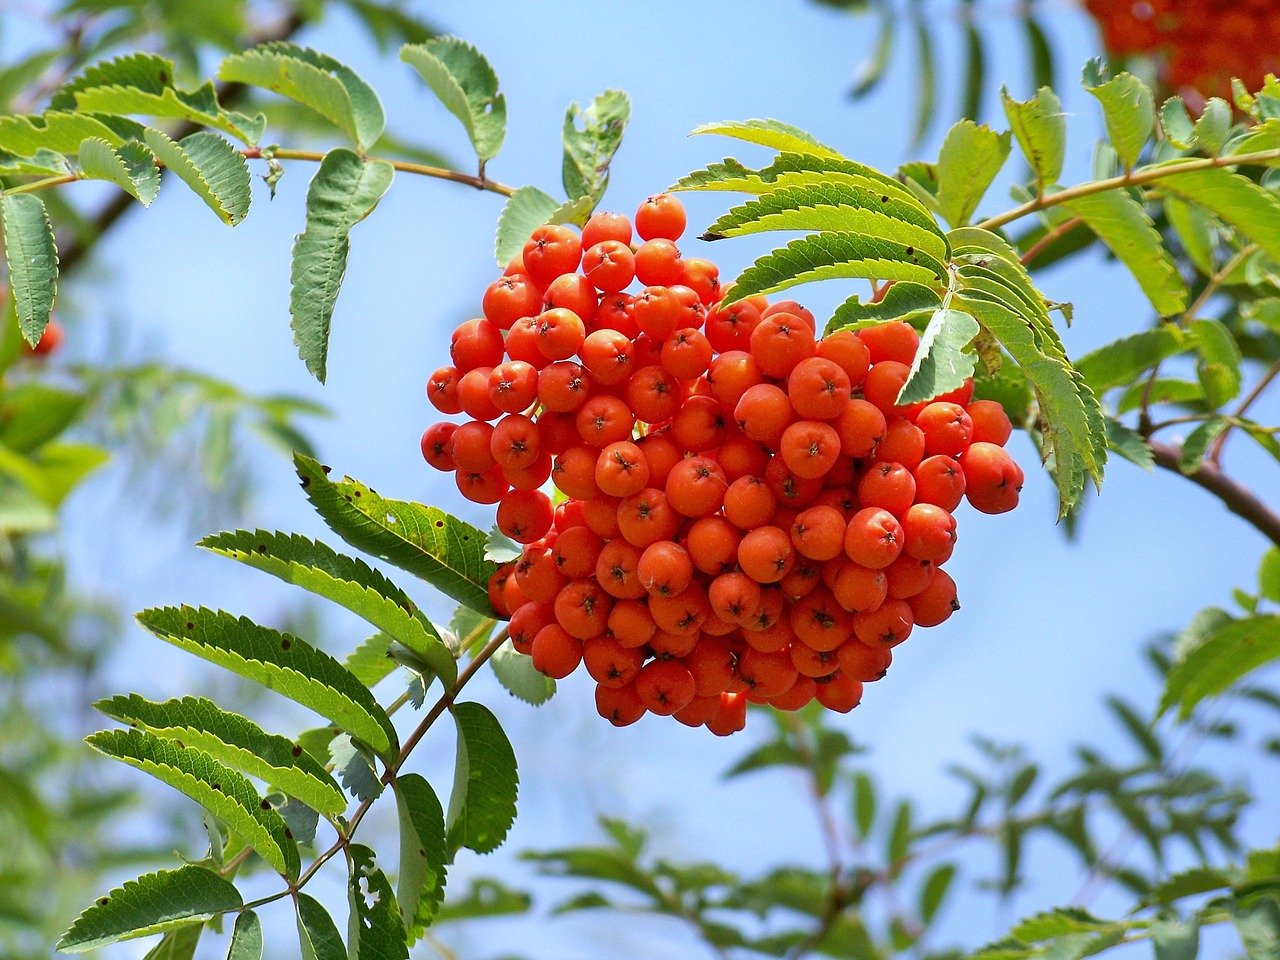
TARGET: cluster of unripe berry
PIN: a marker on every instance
(747, 513)
(1202, 43)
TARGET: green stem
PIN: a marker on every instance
(1133, 179)
(35, 185)
(404, 166)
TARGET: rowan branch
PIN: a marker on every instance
(1237, 498)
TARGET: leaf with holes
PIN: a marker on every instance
(591, 137)
(233, 740)
(467, 85)
(33, 262)
(827, 256)
(226, 794)
(314, 80)
(374, 930)
(423, 852)
(278, 661)
(151, 904)
(425, 541)
(211, 167)
(482, 805)
(344, 191)
(346, 581)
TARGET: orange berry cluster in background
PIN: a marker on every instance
(1202, 44)
(749, 514)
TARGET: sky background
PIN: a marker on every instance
(1047, 626)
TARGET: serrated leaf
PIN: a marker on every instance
(1121, 363)
(467, 85)
(44, 163)
(318, 936)
(833, 206)
(1213, 126)
(827, 256)
(934, 890)
(58, 132)
(1123, 226)
(1195, 229)
(1188, 883)
(232, 740)
(1176, 123)
(591, 137)
(1041, 129)
(482, 804)
(775, 134)
(219, 789)
(1218, 364)
(864, 804)
(971, 156)
(132, 167)
(500, 548)
(344, 191)
(1252, 210)
(423, 853)
(425, 541)
(1058, 923)
(943, 361)
(1128, 106)
(347, 581)
(33, 261)
(369, 661)
(518, 677)
(278, 661)
(374, 929)
(246, 938)
(1235, 649)
(211, 167)
(1162, 390)
(904, 299)
(314, 80)
(150, 904)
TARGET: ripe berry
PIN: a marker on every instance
(550, 252)
(660, 217)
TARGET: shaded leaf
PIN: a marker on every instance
(374, 929)
(591, 137)
(482, 805)
(423, 852)
(318, 936)
(518, 676)
(246, 938)
(132, 167)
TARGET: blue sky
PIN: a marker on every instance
(1047, 626)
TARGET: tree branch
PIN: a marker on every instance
(1239, 499)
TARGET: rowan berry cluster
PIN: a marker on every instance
(749, 514)
(1203, 43)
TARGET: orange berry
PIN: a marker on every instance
(555, 652)
(661, 216)
(886, 626)
(873, 538)
(664, 569)
(990, 422)
(894, 341)
(621, 469)
(932, 605)
(695, 487)
(621, 706)
(818, 389)
(765, 554)
(664, 686)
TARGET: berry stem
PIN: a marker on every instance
(1133, 179)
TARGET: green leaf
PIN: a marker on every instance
(775, 134)
(318, 936)
(423, 852)
(346, 581)
(1234, 650)
(484, 898)
(998, 292)
(864, 804)
(344, 191)
(1218, 366)
(972, 154)
(1054, 924)
(314, 80)
(1213, 126)
(942, 362)
(591, 137)
(1176, 939)
(482, 805)
(516, 673)
(151, 904)
(132, 167)
(219, 789)
(142, 83)
(1269, 575)
(278, 661)
(370, 661)
(1129, 444)
(1258, 923)
(934, 890)
(56, 132)
(374, 929)
(246, 938)
(1176, 122)
(1197, 443)
(425, 541)
(525, 210)
(899, 839)
(211, 167)
(1195, 230)
(873, 66)
(1252, 210)
(1041, 129)
(827, 256)
(1123, 226)
(834, 206)
(903, 300)
(180, 943)
(232, 740)
(1120, 363)
(32, 414)
(1128, 106)
(33, 261)
(466, 84)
